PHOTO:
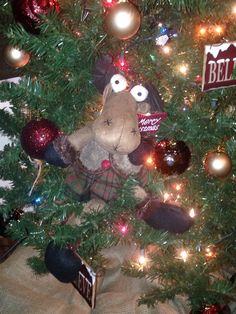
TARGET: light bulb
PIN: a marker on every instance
(166, 196)
(234, 9)
(149, 161)
(177, 186)
(192, 213)
(142, 259)
(166, 50)
(219, 29)
(123, 229)
(184, 255)
(210, 252)
(183, 69)
(202, 31)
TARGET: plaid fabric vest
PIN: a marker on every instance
(101, 183)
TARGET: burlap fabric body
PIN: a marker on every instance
(23, 292)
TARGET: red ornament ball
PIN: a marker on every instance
(106, 164)
(172, 157)
(36, 135)
(213, 309)
(27, 12)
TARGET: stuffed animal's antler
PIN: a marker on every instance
(102, 72)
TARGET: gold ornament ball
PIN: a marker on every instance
(217, 164)
(15, 57)
(123, 20)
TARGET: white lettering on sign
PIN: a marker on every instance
(85, 283)
(85, 286)
(146, 121)
(219, 66)
(150, 123)
(219, 71)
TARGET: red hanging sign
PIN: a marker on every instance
(219, 68)
(150, 123)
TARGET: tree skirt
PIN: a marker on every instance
(23, 292)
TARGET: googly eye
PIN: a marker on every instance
(118, 83)
(139, 92)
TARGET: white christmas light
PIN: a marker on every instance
(202, 31)
(166, 196)
(177, 186)
(192, 213)
(219, 29)
(142, 259)
(183, 69)
(184, 255)
(166, 50)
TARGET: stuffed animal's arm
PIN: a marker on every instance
(63, 150)
(81, 137)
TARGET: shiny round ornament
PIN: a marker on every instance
(213, 309)
(217, 164)
(123, 20)
(172, 157)
(28, 12)
(36, 135)
(15, 57)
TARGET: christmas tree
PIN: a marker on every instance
(54, 46)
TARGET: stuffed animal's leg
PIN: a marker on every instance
(163, 216)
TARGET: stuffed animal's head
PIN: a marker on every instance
(116, 129)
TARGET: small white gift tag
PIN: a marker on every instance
(162, 40)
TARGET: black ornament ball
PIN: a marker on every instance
(62, 263)
(28, 12)
(36, 135)
(172, 157)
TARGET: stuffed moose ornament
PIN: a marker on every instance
(100, 155)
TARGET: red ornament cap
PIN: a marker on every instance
(109, 3)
